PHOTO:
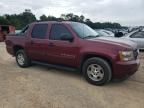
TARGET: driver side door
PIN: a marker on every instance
(61, 52)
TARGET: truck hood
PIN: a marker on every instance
(116, 41)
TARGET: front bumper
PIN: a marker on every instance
(123, 69)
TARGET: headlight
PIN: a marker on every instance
(126, 55)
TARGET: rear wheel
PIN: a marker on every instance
(22, 59)
(97, 71)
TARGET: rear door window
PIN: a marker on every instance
(39, 31)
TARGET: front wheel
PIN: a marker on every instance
(97, 71)
(22, 59)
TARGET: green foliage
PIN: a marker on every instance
(22, 19)
(43, 18)
(19, 21)
(4, 21)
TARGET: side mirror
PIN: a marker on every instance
(66, 37)
(119, 34)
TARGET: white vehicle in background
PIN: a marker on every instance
(103, 32)
(136, 36)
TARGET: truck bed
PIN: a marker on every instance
(13, 40)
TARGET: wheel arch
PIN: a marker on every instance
(17, 48)
(87, 56)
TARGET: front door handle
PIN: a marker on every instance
(51, 44)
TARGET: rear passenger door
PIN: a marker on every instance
(37, 42)
(60, 51)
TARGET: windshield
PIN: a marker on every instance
(101, 33)
(84, 31)
(129, 34)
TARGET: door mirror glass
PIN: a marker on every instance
(119, 34)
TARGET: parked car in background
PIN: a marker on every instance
(72, 45)
(103, 32)
(4, 30)
(123, 31)
(136, 36)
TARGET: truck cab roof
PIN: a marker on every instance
(51, 22)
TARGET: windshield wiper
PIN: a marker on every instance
(90, 36)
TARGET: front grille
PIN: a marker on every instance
(136, 53)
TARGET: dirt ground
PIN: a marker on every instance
(43, 87)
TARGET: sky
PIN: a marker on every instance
(125, 12)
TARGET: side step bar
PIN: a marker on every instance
(56, 66)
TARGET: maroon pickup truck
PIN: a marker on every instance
(73, 45)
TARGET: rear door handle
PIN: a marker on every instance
(51, 44)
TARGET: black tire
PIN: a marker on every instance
(26, 61)
(105, 71)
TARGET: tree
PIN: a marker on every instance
(26, 17)
(22, 19)
(4, 21)
(43, 18)
(52, 18)
(18, 20)
(82, 18)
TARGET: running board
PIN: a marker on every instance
(56, 66)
